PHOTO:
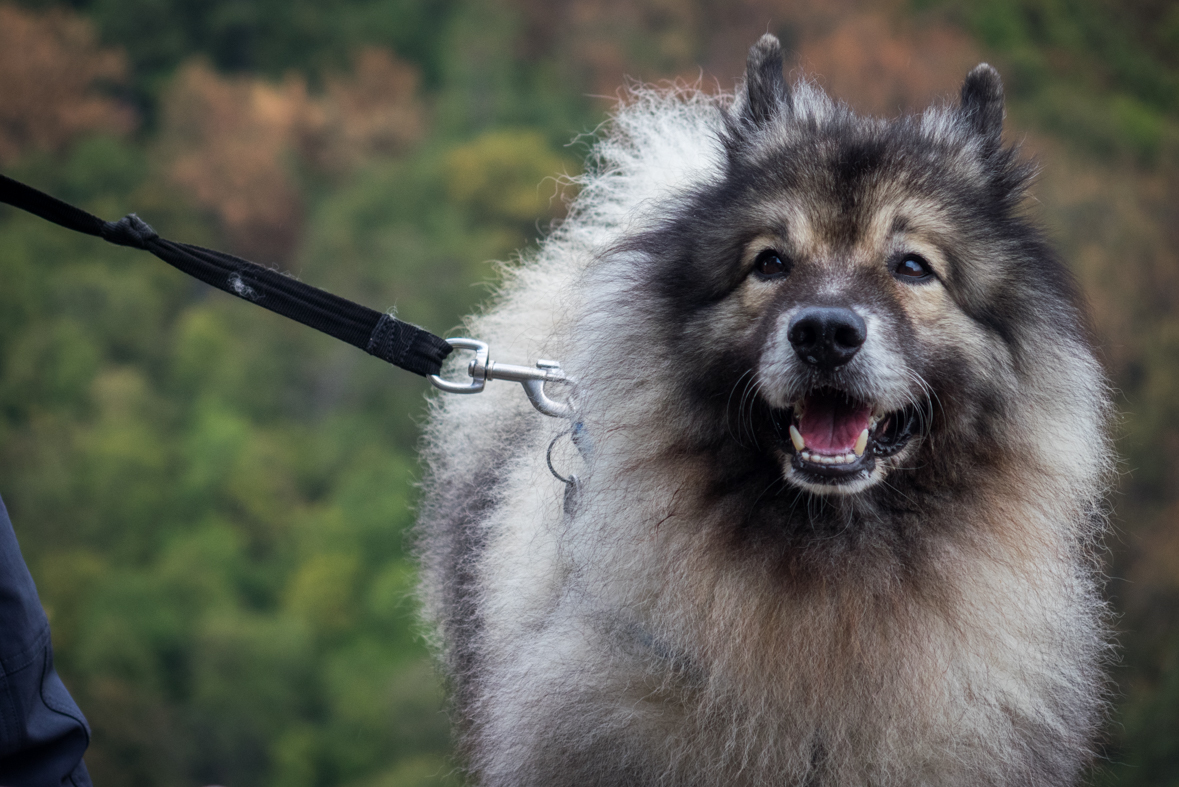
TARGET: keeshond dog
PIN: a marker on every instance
(841, 447)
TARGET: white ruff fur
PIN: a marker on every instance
(628, 644)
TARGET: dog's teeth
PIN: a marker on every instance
(796, 438)
(861, 443)
(827, 459)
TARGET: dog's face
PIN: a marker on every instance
(848, 289)
(848, 328)
(845, 314)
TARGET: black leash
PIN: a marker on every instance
(400, 343)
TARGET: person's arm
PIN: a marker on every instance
(42, 733)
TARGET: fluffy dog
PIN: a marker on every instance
(843, 446)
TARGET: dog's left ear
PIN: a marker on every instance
(766, 93)
(982, 103)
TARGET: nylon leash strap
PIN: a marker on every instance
(400, 343)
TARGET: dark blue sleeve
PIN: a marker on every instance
(42, 732)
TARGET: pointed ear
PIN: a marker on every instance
(982, 103)
(766, 92)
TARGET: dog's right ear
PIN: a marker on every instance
(766, 94)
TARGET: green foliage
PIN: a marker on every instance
(1150, 723)
(270, 36)
(1101, 74)
(215, 502)
(487, 85)
(506, 177)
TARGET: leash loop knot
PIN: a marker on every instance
(128, 231)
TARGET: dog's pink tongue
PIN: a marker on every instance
(831, 424)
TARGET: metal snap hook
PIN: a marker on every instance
(533, 379)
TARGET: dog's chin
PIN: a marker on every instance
(830, 443)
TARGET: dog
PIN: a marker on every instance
(842, 449)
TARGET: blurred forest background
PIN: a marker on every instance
(215, 501)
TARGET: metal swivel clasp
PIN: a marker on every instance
(481, 369)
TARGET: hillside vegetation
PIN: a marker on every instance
(215, 501)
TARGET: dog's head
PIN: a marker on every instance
(857, 294)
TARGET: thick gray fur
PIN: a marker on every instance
(710, 612)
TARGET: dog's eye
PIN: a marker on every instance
(770, 263)
(913, 267)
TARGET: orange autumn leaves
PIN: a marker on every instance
(881, 68)
(237, 144)
(52, 72)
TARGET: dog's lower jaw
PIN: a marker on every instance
(852, 484)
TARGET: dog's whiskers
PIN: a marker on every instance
(728, 409)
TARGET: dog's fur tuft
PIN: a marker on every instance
(718, 606)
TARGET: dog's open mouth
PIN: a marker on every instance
(835, 437)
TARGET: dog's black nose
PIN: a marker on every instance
(827, 337)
